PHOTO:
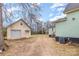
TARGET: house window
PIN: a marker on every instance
(73, 18)
(26, 31)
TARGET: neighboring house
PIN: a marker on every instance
(50, 29)
(68, 29)
(50, 32)
(18, 30)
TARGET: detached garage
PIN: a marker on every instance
(18, 30)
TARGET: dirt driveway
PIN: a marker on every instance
(39, 45)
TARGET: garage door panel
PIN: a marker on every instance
(16, 34)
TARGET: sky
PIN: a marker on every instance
(49, 11)
(52, 11)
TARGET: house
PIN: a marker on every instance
(18, 30)
(49, 28)
(50, 32)
(68, 29)
(57, 26)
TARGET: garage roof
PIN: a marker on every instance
(18, 21)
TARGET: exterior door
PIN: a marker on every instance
(16, 34)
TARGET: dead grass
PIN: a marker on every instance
(40, 45)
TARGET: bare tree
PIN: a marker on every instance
(31, 9)
(1, 27)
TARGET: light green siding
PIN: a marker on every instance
(69, 28)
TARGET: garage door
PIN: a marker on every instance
(16, 34)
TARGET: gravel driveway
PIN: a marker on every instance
(39, 45)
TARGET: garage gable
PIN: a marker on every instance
(20, 24)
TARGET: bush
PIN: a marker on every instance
(4, 32)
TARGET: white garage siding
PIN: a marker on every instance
(16, 34)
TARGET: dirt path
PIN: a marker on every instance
(39, 45)
(42, 46)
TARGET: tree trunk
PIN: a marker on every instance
(1, 27)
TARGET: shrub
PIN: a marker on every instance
(4, 32)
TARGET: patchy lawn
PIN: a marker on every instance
(39, 45)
